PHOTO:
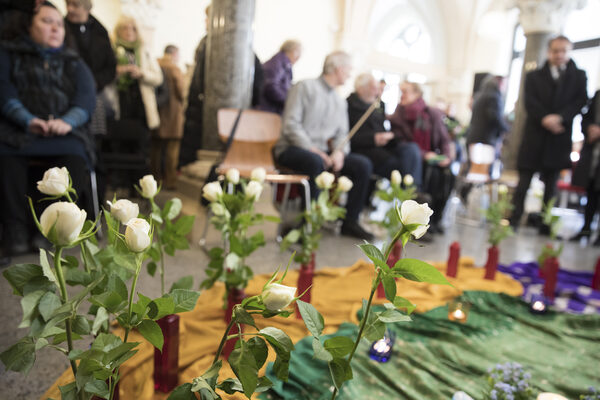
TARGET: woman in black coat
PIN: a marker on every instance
(587, 173)
(487, 120)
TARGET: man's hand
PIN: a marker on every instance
(38, 126)
(553, 122)
(337, 159)
(593, 133)
(382, 138)
(324, 156)
(58, 127)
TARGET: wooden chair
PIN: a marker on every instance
(256, 134)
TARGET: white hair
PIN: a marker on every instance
(335, 60)
(363, 80)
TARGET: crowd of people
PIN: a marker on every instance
(69, 94)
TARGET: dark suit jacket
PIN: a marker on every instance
(583, 174)
(540, 148)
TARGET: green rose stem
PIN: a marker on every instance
(64, 297)
(368, 309)
(162, 254)
(138, 259)
(224, 339)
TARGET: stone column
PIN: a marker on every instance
(541, 20)
(229, 66)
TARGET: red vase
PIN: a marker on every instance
(166, 363)
(452, 265)
(305, 281)
(492, 263)
(550, 274)
(541, 267)
(395, 255)
(234, 297)
(596, 278)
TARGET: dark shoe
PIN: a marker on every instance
(544, 230)
(437, 228)
(353, 229)
(583, 234)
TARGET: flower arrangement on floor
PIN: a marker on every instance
(233, 215)
(550, 250)
(53, 317)
(509, 382)
(323, 209)
(398, 191)
(499, 229)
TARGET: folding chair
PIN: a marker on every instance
(256, 134)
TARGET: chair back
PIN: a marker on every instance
(256, 134)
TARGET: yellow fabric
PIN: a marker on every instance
(336, 293)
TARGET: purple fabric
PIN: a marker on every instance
(573, 291)
(277, 82)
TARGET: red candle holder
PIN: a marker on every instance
(596, 278)
(550, 274)
(492, 263)
(166, 362)
(305, 281)
(234, 297)
(452, 265)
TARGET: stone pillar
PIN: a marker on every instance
(229, 63)
(541, 20)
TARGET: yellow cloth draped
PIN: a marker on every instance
(336, 293)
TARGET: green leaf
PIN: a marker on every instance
(172, 208)
(18, 275)
(374, 328)
(183, 392)
(184, 225)
(112, 301)
(70, 262)
(49, 303)
(81, 325)
(68, 392)
(154, 252)
(419, 271)
(401, 302)
(231, 386)
(98, 388)
(161, 307)
(46, 269)
(389, 286)
(320, 352)
(339, 346)
(187, 282)
(151, 267)
(212, 374)
(259, 350)
(41, 343)
(389, 316)
(185, 300)
(200, 384)
(151, 332)
(243, 317)
(277, 338)
(372, 252)
(142, 305)
(19, 357)
(101, 318)
(29, 305)
(340, 371)
(243, 364)
(312, 318)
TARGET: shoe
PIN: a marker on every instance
(544, 230)
(353, 229)
(437, 228)
(584, 233)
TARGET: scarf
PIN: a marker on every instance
(418, 118)
(123, 50)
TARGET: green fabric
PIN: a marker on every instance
(433, 357)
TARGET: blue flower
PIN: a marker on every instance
(494, 395)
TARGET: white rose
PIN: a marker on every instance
(258, 174)
(408, 180)
(502, 189)
(212, 191)
(67, 220)
(233, 262)
(276, 296)
(344, 184)
(233, 176)
(137, 235)
(396, 178)
(124, 210)
(149, 186)
(218, 209)
(412, 213)
(55, 182)
(325, 180)
(253, 190)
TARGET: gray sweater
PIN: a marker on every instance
(313, 114)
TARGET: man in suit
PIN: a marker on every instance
(554, 95)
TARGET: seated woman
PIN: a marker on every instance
(46, 98)
(414, 121)
(371, 140)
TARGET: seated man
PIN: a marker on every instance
(315, 123)
(385, 152)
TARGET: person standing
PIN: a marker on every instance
(314, 128)
(554, 95)
(168, 136)
(278, 77)
(587, 172)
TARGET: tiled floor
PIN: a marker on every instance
(335, 251)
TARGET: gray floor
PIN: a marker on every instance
(335, 251)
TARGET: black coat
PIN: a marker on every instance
(583, 174)
(487, 121)
(540, 148)
(95, 49)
